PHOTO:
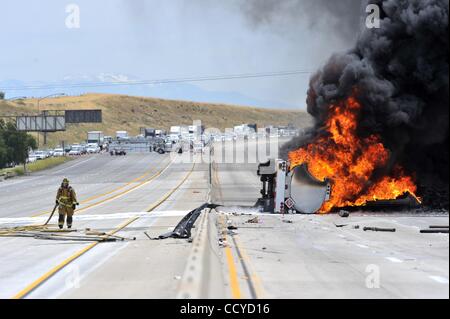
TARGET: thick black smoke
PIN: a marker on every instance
(401, 74)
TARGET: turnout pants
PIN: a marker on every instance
(65, 212)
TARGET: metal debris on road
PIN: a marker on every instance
(344, 213)
(148, 236)
(434, 230)
(97, 233)
(254, 220)
(47, 233)
(379, 229)
(223, 243)
(183, 229)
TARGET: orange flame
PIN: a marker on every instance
(351, 162)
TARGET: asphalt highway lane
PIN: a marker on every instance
(291, 256)
(28, 265)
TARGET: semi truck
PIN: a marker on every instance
(121, 134)
(291, 190)
(95, 137)
(287, 189)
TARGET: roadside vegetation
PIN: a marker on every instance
(38, 165)
(14, 145)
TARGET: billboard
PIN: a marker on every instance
(41, 123)
(83, 116)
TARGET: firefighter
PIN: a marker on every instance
(66, 198)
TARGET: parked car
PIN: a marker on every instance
(75, 150)
(50, 153)
(83, 149)
(93, 148)
(58, 152)
(118, 152)
(40, 155)
(31, 158)
(10, 165)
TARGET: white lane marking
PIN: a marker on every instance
(342, 236)
(394, 260)
(440, 279)
(72, 166)
(92, 261)
(168, 213)
(362, 246)
(23, 180)
(139, 186)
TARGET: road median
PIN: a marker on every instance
(203, 276)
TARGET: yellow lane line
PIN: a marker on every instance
(254, 278)
(137, 179)
(51, 272)
(120, 194)
(234, 281)
(232, 269)
(125, 192)
(110, 192)
(27, 290)
(167, 195)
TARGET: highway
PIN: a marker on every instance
(112, 192)
(326, 256)
(292, 256)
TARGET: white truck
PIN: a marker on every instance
(291, 190)
(96, 137)
(175, 130)
(121, 134)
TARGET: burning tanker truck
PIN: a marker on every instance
(335, 170)
(381, 114)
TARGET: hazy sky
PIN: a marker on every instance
(153, 39)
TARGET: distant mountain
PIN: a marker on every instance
(82, 84)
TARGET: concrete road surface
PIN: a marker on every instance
(142, 196)
(113, 192)
(325, 256)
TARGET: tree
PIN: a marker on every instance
(14, 144)
(3, 147)
(2, 95)
(3, 153)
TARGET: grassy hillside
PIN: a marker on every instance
(130, 113)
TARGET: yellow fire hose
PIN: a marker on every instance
(43, 232)
(51, 215)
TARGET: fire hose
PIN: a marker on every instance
(51, 215)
